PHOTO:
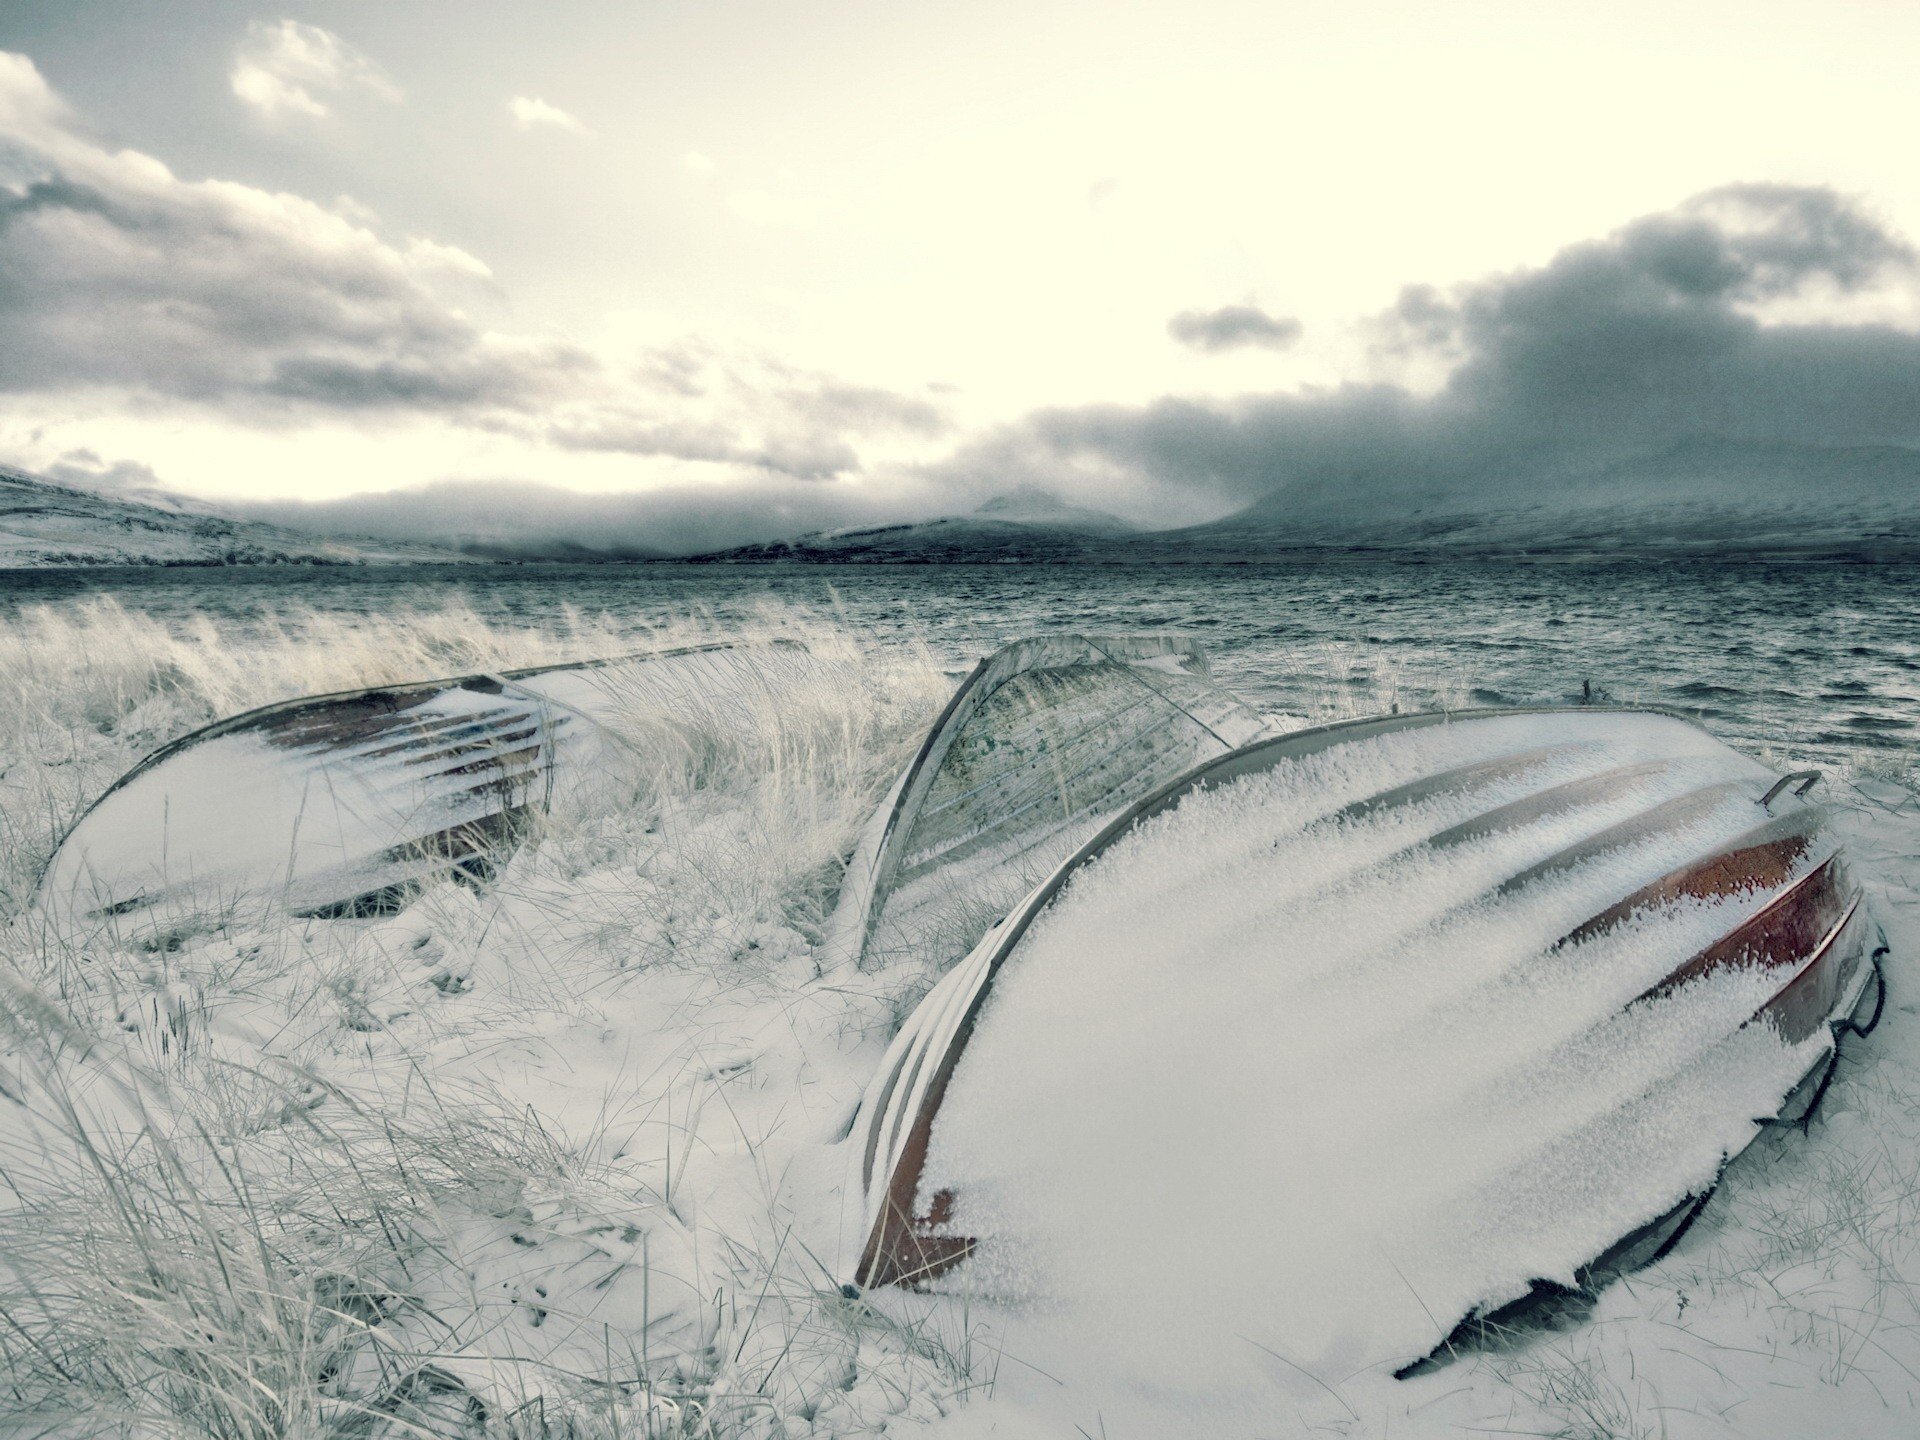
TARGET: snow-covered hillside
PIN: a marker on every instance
(1701, 497)
(47, 524)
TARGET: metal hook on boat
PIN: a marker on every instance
(1807, 778)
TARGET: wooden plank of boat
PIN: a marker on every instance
(348, 803)
(1659, 832)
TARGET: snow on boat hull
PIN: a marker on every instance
(1042, 740)
(348, 803)
(1563, 958)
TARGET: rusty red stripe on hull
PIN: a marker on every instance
(1792, 927)
(1674, 814)
(1811, 997)
(1762, 859)
(1813, 926)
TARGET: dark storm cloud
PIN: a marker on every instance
(85, 470)
(196, 292)
(1650, 333)
(1233, 327)
(1615, 348)
(446, 382)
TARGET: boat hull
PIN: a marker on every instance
(1655, 876)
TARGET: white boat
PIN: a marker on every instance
(1527, 979)
(1043, 740)
(348, 804)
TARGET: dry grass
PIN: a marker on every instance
(256, 1182)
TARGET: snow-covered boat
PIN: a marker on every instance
(1451, 1010)
(348, 803)
(1043, 739)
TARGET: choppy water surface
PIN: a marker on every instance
(1812, 662)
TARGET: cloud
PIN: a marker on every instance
(530, 113)
(808, 456)
(864, 409)
(800, 430)
(118, 275)
(694, 163)
(283, 68)
(1233, 327)
(85, 470)
(1689, 323)
(124, 284)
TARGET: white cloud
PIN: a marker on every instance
(193, 321)
(430, 255)
(283, 68)
(116, 275)
(354, 212)
(694, 163)
(530, 113)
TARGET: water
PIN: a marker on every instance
(1815, 663)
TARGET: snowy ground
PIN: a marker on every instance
(560, 1158)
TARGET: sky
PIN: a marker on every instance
(705, 272)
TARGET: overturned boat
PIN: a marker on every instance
(1042, 741)
(348, 804)
(1417, 1018)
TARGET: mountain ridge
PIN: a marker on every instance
(1025, 526)
(1704, 496)
(49, 524)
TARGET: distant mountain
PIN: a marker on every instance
(1032, 506)
(45, 524)
(1026, 525)
(1705, 496)
(549, 550)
